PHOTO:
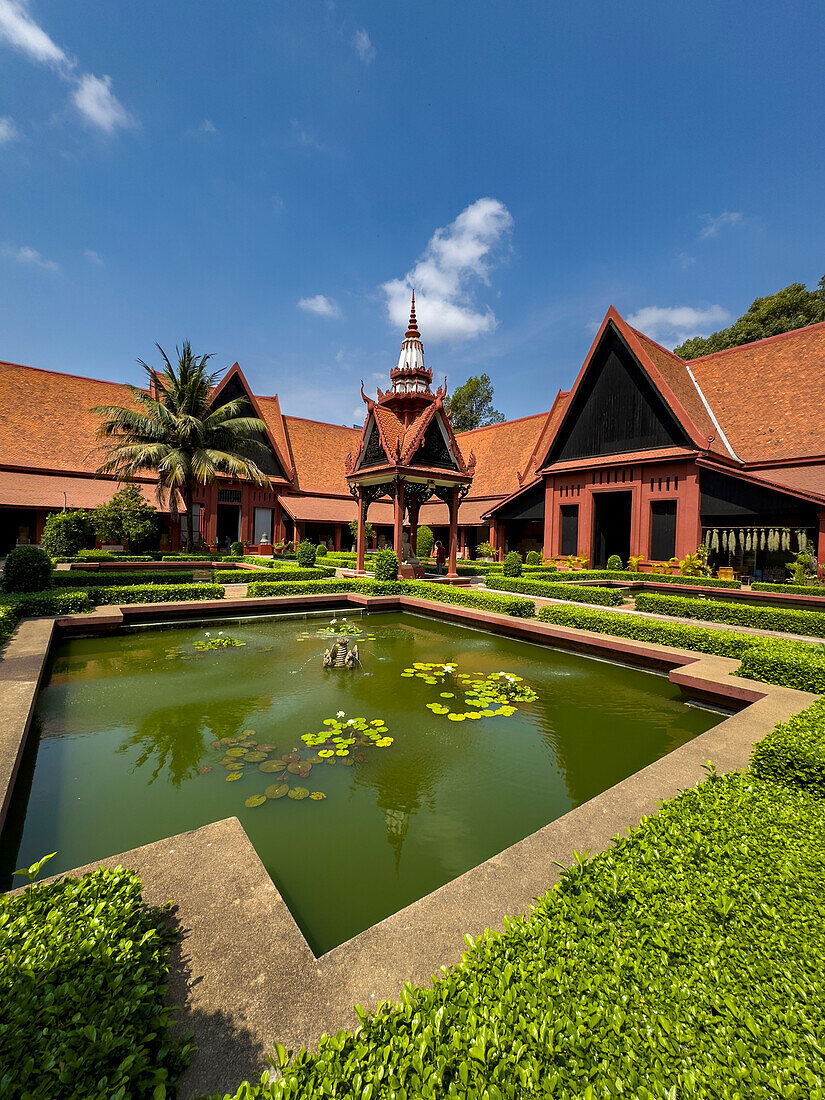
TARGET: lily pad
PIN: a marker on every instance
(317, 795)
(237, 751)
(203, 771)
(347, 761)
(277, 790)
(272, 766)
(294, 768)
(248, 733)
(255, 800)
(298, 793)
(233, 776)
(254, 757)
(326, 753)
(447, 694)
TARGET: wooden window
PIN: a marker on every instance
(662, 530)
(569, 541)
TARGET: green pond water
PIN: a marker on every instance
(128, 725)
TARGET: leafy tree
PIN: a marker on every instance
(128, 518)
(790, 308)
(64, 533)
(173, 431)
(471, 405)
(369, 530)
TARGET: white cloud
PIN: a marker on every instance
(91, 95)
(20, 31)
(673, 324)
(98, 104)
(27, 255)
(8, 130)
(713, 225)
(320, 304)
(208, 127)
(457, 257)
(363, 46)
(686, 260)
(94, 257)
(305, 136)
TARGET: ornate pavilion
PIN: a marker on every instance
(408, 453)
(645, 455)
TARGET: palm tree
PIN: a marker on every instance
(172, 430)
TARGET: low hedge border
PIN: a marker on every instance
(425, 590)
(240, 576)
(794, 752)
(156, 593)
(644, 578)
(604, 597)
(790, 589)
(657, 969)
(737, 614)
(789, 664)
(76, 579)
(32, 605)
(103, 555)
(84, 968)
(9, 618)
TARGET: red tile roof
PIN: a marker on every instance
(769, 396)
(309, 509)
(23, 490)
(502, 451)
(318, 451)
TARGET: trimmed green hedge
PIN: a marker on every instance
(105, 555)
(425, 590)
(792, 664)
(191, 557)
(794, 752)
(790, 589)
(604, 597)
(9, 618)
(738, 614)
(276, 576)
(687, 960)
(644, 578)
(30, 605)
(77, 579)
(84, 968)
(156, 593)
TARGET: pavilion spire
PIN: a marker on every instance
(412, 332)
(411, 375)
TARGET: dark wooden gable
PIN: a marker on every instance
(373, 454)
(616, 409)
(434, 450)
(268, 462)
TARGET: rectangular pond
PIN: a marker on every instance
(362, 790)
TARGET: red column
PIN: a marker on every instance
(452, 572)
(336, 540)
(500, 541)
(362, 520)
(820, 542)
(585, 548)
(549, 519)
(398, 525)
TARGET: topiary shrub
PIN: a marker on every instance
(306, 554)
(534, 558)
(512, 564)
(236, 550)
(386, 565)
(27, 569)
(614, 562)
(424, 542)
(65, 533)
(320, 551)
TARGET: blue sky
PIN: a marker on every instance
(267, 179)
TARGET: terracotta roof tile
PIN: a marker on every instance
(502, 451)
(317, 509)
(769, 396)
(20, 490)
(318, 451)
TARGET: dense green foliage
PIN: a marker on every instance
(794, 752)
(75, 578)
(580, 593)
(534, 558)
(792, 664)
(385, 565)
(684, 961)
(105, 555)
(205, 556)
(236, 550)
(27, 569)
(306, 554)
(9, 617)
(67, 532)
(241, 576)
(30, 605)
(790, 308)
(614, 562)
(644, 578)
(156, 593)
(424, 542)
(737, 614)
(127, 519)
(512, 566)
(369, 531)
(171, 430)
(790, 589)
(471, 405)
(426, 590)
(320, 551)
(83, 971)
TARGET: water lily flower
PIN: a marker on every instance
(340, 714)
(208, 635)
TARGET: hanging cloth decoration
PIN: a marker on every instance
(762, 539)
(714, 544)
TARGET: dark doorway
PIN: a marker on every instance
(17, 527)
(229, 524)
(611, 527)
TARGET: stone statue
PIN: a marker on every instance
(407, 553)
(339, 656)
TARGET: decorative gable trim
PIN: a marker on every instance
(281, 453)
